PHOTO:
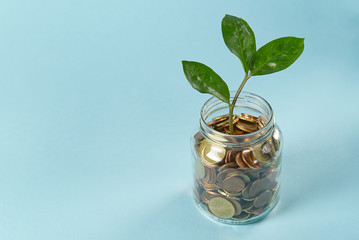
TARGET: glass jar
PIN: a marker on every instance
(236, 177)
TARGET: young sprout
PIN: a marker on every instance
(274, 56)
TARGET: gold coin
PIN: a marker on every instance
(221, 207)
(233, 184)
(220, 117)
(224, 123)
(248, 116)
(247, 119)
(217, 120)
(260, 153)
(246, 126)
(270, 147)
(262, 199)
(211, 153)
(238, 131)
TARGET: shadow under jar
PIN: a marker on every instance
(236, 177)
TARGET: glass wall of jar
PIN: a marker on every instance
(236, 177)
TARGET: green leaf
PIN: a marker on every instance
(276, 55)
(205, 80)
(239, 38)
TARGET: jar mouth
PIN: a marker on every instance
(246, 100)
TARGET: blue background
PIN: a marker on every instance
(96, 115)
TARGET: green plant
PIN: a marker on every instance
(274, 56)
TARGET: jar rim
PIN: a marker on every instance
(246, 139)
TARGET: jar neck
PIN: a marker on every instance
(248, 103)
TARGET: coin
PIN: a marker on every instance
(230, 156)
(258, 186)
(262, 199)
(226, 130)
(228, 166)
(260, 153)
(262, 120)
(235, 120)
(242, 216)
(223, 174)
(237, 206)
(245, 193)
(223, 193)
(210, 175)
(240, 161)
(246, 204)
(248, 159)
(208, 195)
(238, 131)
(208, 186)
(247, 116)
(221, 207)
(222, 124)
(233, 184)
(256, 211)
(234, 195)
(217, 120)
(247, 119)
(213, 193)
(254, 175)
(244, 177)
(220, 117)
(270, 148)
(247, 126)
(211, 153)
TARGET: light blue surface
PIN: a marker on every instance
(96, 116)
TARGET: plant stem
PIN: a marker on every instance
(231, 106)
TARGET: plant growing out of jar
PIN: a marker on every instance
(237, 156)
(273, 57)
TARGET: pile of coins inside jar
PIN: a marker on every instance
(236, 183)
